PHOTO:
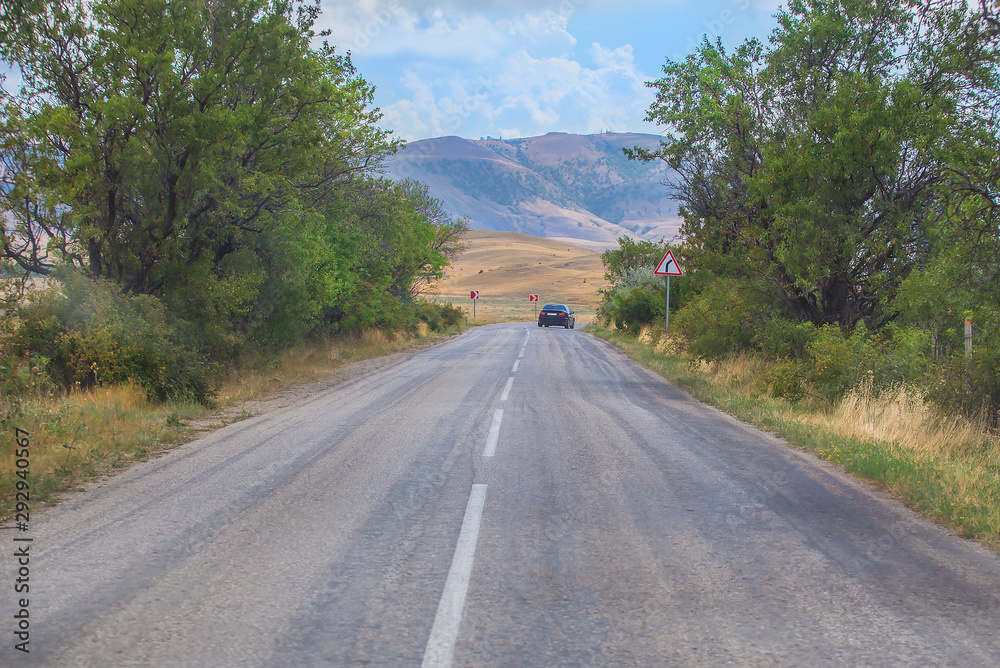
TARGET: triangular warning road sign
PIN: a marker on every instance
(668, 266)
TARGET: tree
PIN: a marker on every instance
(169, 136)
(815, 163)
(631, 255)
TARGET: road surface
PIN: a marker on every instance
(515, 496)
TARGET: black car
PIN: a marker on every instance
(556, 314)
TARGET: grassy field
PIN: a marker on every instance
(943, 467)
(506, 267)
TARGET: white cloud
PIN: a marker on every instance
(473, 69)
(392, 27)
(529, 96)
(621, 58)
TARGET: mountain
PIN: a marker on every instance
(575, 188)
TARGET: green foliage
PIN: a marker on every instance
(217, 167)
(25, 376)
(89, 334)
(847, 170)
(911, 352)
(631, 255)
(212, 157)
(836, 363)
(721, 319)
(969, 387)
(632, 308)
(785, 381)
(780, 337)
(817, 162)
(637, 297)
(439, 317)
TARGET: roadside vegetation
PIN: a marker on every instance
(188, 191)
(841, 244)
(944, 466)
(79, 435)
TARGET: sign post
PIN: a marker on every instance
(474, 295)
(534, 300)
(668, 267)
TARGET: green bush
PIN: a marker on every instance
(836, 363)
(968, 387)
(22, 377)
(630, 309)
(90, 334)
(783, 338)
(785, 381)
(911, 354)
(439, 317)
(721, 319)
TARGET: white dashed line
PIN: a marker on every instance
(441, 646)
(506, 389)
(517, 363)
(494, 436)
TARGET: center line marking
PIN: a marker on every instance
(521, 354)
(506, 390)
(517, 363)
(441, 645)
(491, 440)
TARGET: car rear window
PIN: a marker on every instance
(552, 307)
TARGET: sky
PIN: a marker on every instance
(523, 68)
(520, 68)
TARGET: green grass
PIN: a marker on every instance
(955, 484)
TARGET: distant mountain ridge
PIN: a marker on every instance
(576, 188)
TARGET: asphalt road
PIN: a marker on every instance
(513, 497)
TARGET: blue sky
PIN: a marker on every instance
(515, 68)
(522, 68)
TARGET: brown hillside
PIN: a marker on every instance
(575, 188)
(507, 266)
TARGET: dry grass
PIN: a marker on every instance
(308, 363)
(903, 416)
(88, 434)
(940, 465)
(506, 267)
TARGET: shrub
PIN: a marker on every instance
(968, 387)
(439, 317)
(89, 334)
(631, 309)
(911, 352)
(720, 320)
(837, 363)
(783, 338)
(784, 381)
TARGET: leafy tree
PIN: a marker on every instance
(168, 136)
(814, 163)
(631, 254)
(205, 160)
